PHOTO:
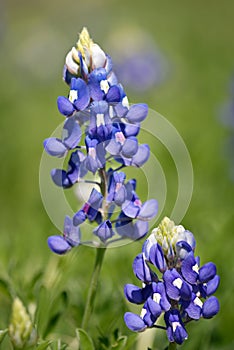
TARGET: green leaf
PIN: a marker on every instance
(2, 334)
(84, 340)
(120, 343)
(44, 345)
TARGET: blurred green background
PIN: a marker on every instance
(196, 39)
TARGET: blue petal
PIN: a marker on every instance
(210, 307)
(187, 268)
(60, 178)
(71, 133)
(135, 294)
(134, 322)
(148, 210)
(141, 269)
(71, 233)
(55, 147)
(79, 218)
(113, 94)
(137, 113)
(83, 96)
(104, 231)
(207, 272)
(130, 147)
(212, 285)
(141, 156)
(58, 245)
(156, 257)
(65, 106)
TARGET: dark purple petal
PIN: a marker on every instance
(60, 178)
(58, 245)
(141, 269)
(135, 294)
(83, 94)
(104, 231)
(207, 272)
(148, 210)
(65, 106)
(175, 328)
(210, 307)
(113, 94)
(153, 311)
(54, 147)
(130, 147)
(156, 257)
(159, 295)
(176, 288)
(189, 268)
(148, 244)
(71, 133)
(183, 249)
(194, 308)
(212, 285)
(95, 202)
(134, 322)
(137, 113)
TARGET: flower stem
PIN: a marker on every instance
(100, 252)
(172, 346)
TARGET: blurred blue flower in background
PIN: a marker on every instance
(139, 63)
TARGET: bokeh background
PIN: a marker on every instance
(193, 51)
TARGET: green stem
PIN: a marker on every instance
(171, 346)
(100, 252)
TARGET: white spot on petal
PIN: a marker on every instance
(195, 268)
(175, 325)
(104, 86)
(198, 302)
(177, 283)
(157, 297)
(73, 95)
(143, 312)
(125, 102)
(100, 119)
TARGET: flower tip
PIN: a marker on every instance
(58, 244)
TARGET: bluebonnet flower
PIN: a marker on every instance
(182, 290)
(98, 103)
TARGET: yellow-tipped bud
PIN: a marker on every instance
(84, 41)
